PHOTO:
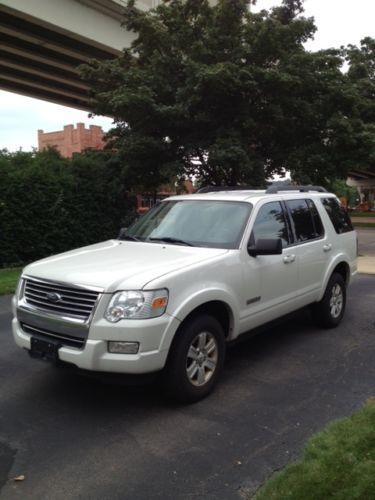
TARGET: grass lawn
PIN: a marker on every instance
(364, 224)
(8, 279)
(362, 214)
(337, 464)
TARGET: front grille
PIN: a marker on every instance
(65, 340)
(60, 299)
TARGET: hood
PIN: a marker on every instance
(118, 265)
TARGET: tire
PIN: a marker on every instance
(329, 312)
(195, 360)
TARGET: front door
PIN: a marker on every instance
(269, 281)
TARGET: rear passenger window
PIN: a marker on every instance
(307, 223)
(338, 215)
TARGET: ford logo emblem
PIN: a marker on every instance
(53, 297)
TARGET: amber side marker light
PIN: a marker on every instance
(159, 303)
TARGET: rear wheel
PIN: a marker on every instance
(195, 360)
(330, 310)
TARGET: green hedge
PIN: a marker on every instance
(49, 204)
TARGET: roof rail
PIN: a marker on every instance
(212, 189)
(290, 187)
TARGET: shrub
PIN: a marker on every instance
(49, 204)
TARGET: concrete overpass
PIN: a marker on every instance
(43, 41)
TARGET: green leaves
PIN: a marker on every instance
(49, 204)
(224, 94)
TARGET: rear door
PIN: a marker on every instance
(312, 248)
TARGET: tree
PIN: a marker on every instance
(226, 95)
(361, 74)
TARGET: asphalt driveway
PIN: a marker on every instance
(78, 438)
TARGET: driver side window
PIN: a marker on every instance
(270, 223)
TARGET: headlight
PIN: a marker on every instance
(134, 304)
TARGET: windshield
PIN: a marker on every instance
(215, 224)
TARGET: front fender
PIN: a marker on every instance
(197, 298)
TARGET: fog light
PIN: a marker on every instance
(123, 347)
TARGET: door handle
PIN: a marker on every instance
(327, 248)
(289, 258)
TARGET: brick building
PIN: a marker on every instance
(72, 140)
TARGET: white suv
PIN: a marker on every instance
(192, 274)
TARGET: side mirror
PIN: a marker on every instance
(122, 233)
(266, 247)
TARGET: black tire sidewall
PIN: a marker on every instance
(175, 380)
(322, 310)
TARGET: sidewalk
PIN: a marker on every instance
(366, 250)
(366, 264)
(367, 220)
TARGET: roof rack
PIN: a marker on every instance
(212, 189)
(290, 187)
(273, 189)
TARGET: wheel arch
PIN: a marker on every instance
(178, 379)
(217, 306)
(219, 309)
(329, 311)
(344, 270)
(341, 267)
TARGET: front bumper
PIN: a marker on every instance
(154, 336)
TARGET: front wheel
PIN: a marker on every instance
(195, 360)
(330, 310)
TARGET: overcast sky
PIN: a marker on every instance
(339, 22)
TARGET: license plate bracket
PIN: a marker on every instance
(47, 350)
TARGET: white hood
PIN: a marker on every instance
(118, 265)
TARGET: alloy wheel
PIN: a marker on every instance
(202, 358)
(337, 301)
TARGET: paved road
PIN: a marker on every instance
(78, 438)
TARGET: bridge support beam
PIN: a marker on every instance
(44, 41)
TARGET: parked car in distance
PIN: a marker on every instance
(191, 275)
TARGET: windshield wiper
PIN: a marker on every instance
(170, 239)
(127, 237)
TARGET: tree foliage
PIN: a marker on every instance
(361, 74)
(229, 96)
(49, 204)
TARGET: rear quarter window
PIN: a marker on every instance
(338, 215)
